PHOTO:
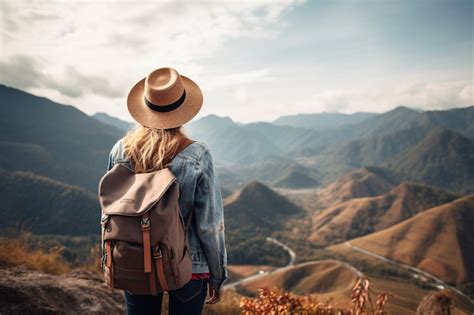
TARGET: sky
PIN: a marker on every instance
(254, 60)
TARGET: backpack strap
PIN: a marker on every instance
(184, 142)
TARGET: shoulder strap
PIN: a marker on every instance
(184, 142)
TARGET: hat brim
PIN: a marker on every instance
(165, 120)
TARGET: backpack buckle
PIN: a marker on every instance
(104, 219)
(145, 223)
(157, 252)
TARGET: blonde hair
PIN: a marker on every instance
(150, 149)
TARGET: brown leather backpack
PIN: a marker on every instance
(144, 241)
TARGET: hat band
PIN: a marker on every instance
(166, 108)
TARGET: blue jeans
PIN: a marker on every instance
(188, 300)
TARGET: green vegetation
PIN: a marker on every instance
(45, 206)
(254, 250)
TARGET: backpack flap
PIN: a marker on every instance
(124, 192)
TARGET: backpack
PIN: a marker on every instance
(144, 236)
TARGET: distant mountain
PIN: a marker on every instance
(46, 206)
(457, 119)
(231, 142)
(107, 119)
(370, 151)
(397, 119)
(53, 140)
(362, 216)
(443, 158)
(321, 121)
(365, 182)
(257, 207)
(295, 177)
(438, 240)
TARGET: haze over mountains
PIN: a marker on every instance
(373, 179)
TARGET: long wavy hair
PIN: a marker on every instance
(150, 149)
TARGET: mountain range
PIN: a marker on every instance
(394, 183)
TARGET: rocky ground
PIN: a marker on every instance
(24, 291)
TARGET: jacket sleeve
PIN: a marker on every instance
(111, 162)
(209, 214)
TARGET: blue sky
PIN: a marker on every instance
(255, 60)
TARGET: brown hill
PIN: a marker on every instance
(252, 214)
(311, 278)
(330, 279)
(438, 240)
(365, 182)
(362, 216)
(257, 205)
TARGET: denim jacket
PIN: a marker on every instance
(199, 187)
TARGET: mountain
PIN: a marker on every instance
(439, 241)
(321, 121)
(256, 207)
(369, 151)
(46, 206)
(457, 119)
(110, 120)
(231, 142)
(397, 119)
(295, 177)
(362, 216)
(443, 158)
(53, 140)
(365, 182)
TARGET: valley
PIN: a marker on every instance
(311, 202)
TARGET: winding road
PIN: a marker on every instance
(440, 283)
(290, 265)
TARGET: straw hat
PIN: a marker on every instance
(164, 99)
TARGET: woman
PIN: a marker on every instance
(161, 103)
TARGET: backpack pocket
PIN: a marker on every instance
(128, 270)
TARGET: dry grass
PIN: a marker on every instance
(15, 252)
(277, 301)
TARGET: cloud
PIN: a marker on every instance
(239, 79)
(22, 72)
(105, 47)
(422, 95)
(27, 73)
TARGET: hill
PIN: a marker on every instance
(257, 207)
(52, 139)
(46, 206)
(252, 214)
(295, 177)
(320, 277)
(365, 182)
(443, 158)
(362, 216)
(332, 280)
(118, 123)
(439, 241)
